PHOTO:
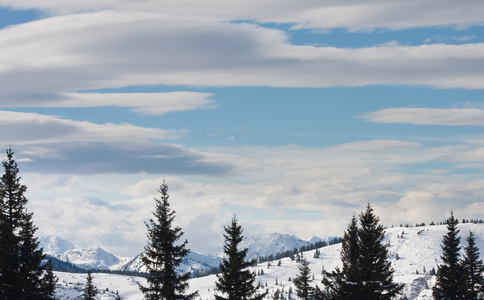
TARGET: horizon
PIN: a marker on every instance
(292, 115)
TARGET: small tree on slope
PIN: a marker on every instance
(303, 289)
(90, 291)
(24, 275)
(235, 280)
(163, 255)
(450, 278)
(473, 268)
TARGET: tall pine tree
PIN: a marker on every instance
(24, 274)
(164, 254)
(374, 268)
(345, 283)
(366, 272)
(473, 269)
(450, 278)
(235, 280)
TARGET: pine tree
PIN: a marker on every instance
(235, 280)
(24, 274)
(163, 255)
(374, 268)
(450, 278)
(366, 272)
(346, 283)
(302, 281)
(90, 291)
(473, 268)
(318, 294)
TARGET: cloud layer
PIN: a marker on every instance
(355, 15)
(58, 56)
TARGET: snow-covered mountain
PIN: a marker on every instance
(263, 244)
(54, 245)
(413, 252)
(93, 258)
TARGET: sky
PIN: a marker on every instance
(293, 115)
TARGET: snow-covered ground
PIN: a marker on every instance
(411, 250)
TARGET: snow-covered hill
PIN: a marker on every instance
(411, 250)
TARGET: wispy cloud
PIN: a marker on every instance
(355, 15)
(377, 145)
(429, 116)
(144, 103)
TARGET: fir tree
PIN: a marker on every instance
(90, 291)
(374, 268)
(235, 280)
(345, 283)
(318, 294)
(163, 255)
(450, 278)
(24, 274)
(302, 281)
(473, 268)
(366, 272)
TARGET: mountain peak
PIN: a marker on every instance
(54, 245)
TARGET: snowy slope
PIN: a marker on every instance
(415, 251)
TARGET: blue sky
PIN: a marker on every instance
(292, 114)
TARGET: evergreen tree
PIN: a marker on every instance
(163, 255)
(24, 275)
(473, 268)
(302, 281)
(235, 280)
(90, 291)
(374, 268)
(318, 294)
(450, 278)
(346, 283)
(366, 272)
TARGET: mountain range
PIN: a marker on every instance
(96, 258)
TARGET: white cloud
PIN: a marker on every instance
(429, 116)
(474, 155)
